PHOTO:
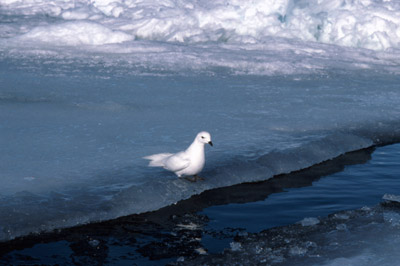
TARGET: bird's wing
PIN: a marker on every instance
(177, 162)
(157, 159)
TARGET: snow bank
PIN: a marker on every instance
(371, 24)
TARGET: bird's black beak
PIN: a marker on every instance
(210, 142)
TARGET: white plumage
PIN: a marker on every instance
(189, 162)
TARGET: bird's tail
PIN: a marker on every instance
(157, 159)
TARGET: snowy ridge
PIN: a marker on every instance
(371, 24)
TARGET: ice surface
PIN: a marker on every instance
(89, 88)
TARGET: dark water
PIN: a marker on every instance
(356, 186)
(210, 221)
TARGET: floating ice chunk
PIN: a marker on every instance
(341, 227)
(310, 245)
(94, 243)
(258, 249)
(76, 33)
(366, 209)
(297, 251)
(235, 246)
(189, 226)
(392, 218)
(201, 251)
(309, 221)
(390, 197)
(341, 216)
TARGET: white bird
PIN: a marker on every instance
(189, 162)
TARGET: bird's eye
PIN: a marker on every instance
(202, 137)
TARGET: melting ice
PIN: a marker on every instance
(367, 236)
(88, 88)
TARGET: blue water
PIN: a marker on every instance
(355, 187)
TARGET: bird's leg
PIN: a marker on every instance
(196, 177)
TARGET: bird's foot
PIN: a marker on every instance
(191, 179)
(195, 178)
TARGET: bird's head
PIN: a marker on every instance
(204, 137)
